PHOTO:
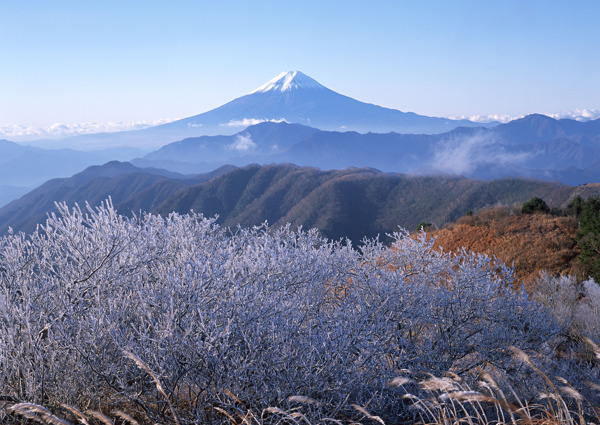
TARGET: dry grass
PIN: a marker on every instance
(159, 387)
(529, 242)
(431, 400)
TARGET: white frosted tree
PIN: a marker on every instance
(261, 313)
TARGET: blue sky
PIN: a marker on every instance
(120, 62)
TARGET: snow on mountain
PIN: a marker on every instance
(287, 81)
(295, 97)
(291, 97)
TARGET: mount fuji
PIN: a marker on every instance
(291, 97)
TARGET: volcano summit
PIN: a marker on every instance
(292, 97)
(295, 97)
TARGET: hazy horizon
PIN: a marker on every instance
(74, 68)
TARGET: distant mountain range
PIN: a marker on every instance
(351, 203)
(23, 168)
(291, 97)
(119, 180)
(291, 119)
(535, 146)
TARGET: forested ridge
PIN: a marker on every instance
(352, 203)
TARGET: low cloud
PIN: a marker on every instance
(577, 114)
(463, 155)
(573, 114)
(249, 121)
(59, 130)
(487, 118)
(242, 143)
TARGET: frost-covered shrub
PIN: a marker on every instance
(261, 314)
(575, 304)
(576, 307)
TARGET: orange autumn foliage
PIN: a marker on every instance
(529, 242)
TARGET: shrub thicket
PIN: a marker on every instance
(588, 235)
(535, 204)
(237, 321)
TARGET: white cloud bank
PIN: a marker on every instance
(249, 121)
(20, 132)
(242, 143)
(574, 114)
(578, 114)
(462, 155)
(487, 118)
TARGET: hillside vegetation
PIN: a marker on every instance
(535, 146)
(529, 242)
(354, 203)
(532, 237)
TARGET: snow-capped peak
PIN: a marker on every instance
(287, 81)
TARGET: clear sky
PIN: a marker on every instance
(84, 61)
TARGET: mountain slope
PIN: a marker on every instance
(127, 185)
(353, 203)
(23, 167)
(530, 242)
(540, 128)
(257, 143)
(350, 203)
(295, 97)
(292, 97)
(535, 146)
